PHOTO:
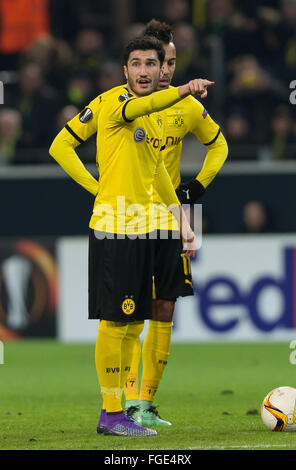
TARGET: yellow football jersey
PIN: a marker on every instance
(188, 115)
(85, 124)
(128, 154)
(116, 148)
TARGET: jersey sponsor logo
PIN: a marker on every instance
(128, 306)
(170, 140)
(205, 113)
(154, 142)
(139, 135)
(86, 115)
(125, 96)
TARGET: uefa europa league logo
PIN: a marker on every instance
(16, 270)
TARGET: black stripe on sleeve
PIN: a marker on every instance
(123, 112)
(73, 134)
(215, 138)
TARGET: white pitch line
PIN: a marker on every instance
(267, 446)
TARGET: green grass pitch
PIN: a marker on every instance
(212, 393)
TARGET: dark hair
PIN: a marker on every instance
(144, 43)
(159, 30)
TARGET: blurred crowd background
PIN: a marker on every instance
(57, 55)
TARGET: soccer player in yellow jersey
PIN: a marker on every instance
(172, 274)
(130, 138)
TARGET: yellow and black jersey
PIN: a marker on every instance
(186, 116)
(189, 115)
(128, 152)
(131, 132)
(129, 141)
(85, 124)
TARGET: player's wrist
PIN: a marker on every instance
(197, 189)
(184, 90)
(189, 193)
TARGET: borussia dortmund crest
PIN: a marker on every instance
(128, 305)
(179, 120)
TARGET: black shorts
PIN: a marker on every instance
(120, 278)
(172, 271)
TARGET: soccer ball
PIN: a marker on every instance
(278, 410)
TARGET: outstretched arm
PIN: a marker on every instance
(164, 99)
(215, 158)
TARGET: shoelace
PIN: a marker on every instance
(153, 409)
(131, 410)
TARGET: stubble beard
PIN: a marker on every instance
(133, 87)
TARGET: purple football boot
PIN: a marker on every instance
(118, 424)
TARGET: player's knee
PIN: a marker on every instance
(163, 310)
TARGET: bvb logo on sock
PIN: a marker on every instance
(128, 305)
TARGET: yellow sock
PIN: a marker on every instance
(131, 388)
(108, 362)
(130, 346)
(155, 356)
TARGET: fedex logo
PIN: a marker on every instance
(250, 299)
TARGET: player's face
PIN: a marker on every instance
(142, 72)
(168, 67)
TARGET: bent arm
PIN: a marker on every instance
(215, 158)
(190, 192)
(62, 150)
